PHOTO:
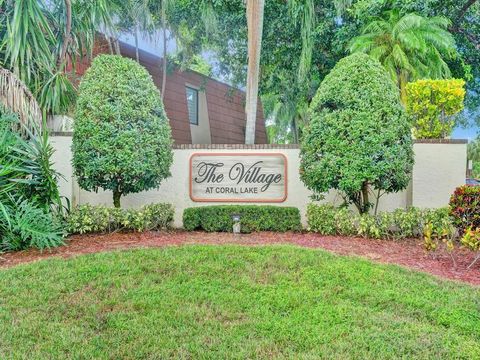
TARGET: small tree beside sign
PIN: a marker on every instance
(359, 137)
(122, 138)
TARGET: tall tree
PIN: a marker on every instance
(255, 29)
(332, 27)
(409, 46)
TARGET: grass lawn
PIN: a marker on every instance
(232, 302)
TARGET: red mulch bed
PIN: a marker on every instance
(409, 253)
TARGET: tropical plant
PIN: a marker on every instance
(359, 136)
(41, 38)
(122, 138)
(471, 240)
(433, 105)
(30, 207)
(465, 207)
(409, 46)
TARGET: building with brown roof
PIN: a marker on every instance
(201, 110)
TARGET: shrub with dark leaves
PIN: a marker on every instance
(465, 207)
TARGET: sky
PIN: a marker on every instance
(156, 47)
(469, 133)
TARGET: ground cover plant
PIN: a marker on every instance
(327, 219)
(101, 219)
(252, 218)
(232, 302)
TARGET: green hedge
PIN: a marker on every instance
(329, 220)
(101, 219)
(253, 218)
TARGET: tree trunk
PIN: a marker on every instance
(365, 201)
(68, 29)
(255, 28)
(116, 198)
(136, 44)
(110, 47)
(295, 130)
(117, 47)
(164, 60)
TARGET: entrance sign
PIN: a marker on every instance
(238, 177)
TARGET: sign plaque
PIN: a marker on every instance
(238, 177)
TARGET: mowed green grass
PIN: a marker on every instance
(219, 302)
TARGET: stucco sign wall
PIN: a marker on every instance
(238, 177)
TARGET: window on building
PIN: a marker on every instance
(192, 104)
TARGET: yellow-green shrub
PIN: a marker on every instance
(432, 105)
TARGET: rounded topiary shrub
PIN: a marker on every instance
(358, 137)
(122, 138)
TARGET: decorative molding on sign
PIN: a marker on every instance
(233, 146)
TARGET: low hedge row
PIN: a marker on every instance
(93, 219)
(252, 218)
(329, 220)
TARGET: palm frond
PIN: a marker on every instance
(16, 96)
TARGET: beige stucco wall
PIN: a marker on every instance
(439, 168)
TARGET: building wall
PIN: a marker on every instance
(200, 132)
(222, 104)
(439, 169)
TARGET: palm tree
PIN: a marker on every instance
(255, 28)
(409, 46)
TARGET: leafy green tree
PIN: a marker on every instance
(122, 138)
(409, 46)
(329, 32)
(359, 136)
